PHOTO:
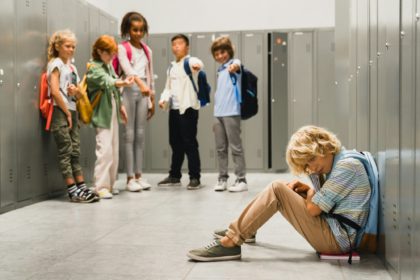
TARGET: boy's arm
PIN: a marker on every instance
(196, 64)
(235, 66)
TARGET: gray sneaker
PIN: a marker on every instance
(215, 252)
(170, 181)
(194, 184)
(222, 233)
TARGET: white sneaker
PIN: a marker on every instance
(240, 185)
(133, 186)
(104, 194)
(220, 186)
(143, 183)
(115, 191)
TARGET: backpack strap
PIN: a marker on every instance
(345, 221)
(187, 70)
(128, 49)
(234, 79)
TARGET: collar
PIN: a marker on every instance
(337, 157)
(225, 65)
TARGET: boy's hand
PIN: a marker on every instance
(162, 104)
(196, 67)
(233, 68)
(299, 187)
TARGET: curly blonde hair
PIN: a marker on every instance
(307, 143)
(57, 39)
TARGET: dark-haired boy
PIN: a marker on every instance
(180, 97)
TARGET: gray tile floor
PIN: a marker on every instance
(146, 236)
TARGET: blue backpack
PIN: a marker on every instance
(204, 89)
(367, 235)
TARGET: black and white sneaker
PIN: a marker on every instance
(79, 195)
(87, 191)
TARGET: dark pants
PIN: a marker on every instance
(183, 140)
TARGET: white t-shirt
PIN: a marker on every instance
(138, 64)
(68, 75)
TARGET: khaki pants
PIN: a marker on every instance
(106, 165)
(278, 197)
(68, 143)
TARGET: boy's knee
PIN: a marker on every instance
(278, 186)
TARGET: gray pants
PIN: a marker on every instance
(227, 132)
(134, 136)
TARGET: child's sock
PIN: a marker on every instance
(71, 189)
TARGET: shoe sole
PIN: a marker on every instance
(214, 259)
(237, 190)
(194, 188)
(83, 201)
(248, 240)
(219, 190)
(146, 188)
(170, 185)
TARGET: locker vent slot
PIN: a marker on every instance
(44, 7)
(10, 175)
(28, 172)
(28, 3)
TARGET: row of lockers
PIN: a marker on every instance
(28, 167)
(378, 109)
(295, 87)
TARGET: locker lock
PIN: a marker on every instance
(1, 82)
(18, 85)
(417, 16)
(1, 72)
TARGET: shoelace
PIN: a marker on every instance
(212, 244)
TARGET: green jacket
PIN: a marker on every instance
(101, 76)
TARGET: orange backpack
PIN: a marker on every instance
(46, 104)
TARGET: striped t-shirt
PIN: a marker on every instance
(347, 188)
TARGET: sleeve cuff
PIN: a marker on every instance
(322, 202)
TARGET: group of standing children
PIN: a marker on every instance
(129, 66)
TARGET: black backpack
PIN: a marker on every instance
(204, 89)
(249, 98)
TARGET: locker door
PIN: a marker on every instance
(389, 16)
(94, 30)
(362, 83)
(157, 146)
(205, 137)
(300, 80)
(278, 102)
(58, 17)
(31, 26)
(103, 23)
(83, 55)
(8, 168)
(416, 221)
(255, 130)
(373, 76)
(407, 138)
(381, 74)
(326, 97)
